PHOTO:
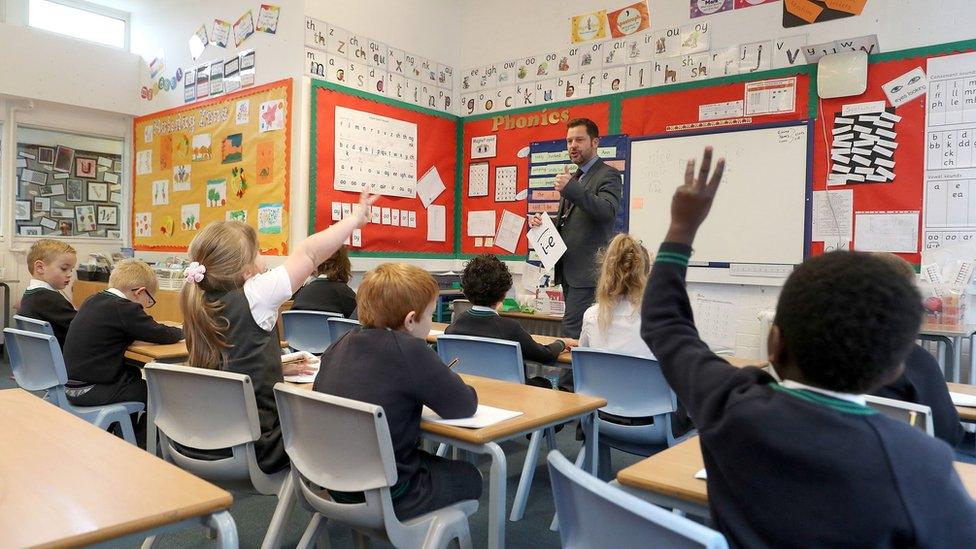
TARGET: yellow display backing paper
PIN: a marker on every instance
(224, 158)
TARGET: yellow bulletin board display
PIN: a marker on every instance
(221, 159)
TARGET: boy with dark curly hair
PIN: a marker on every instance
(485, 281)
(803, 462)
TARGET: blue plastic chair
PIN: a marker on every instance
(496, 359)
(634, 387)
(28, 324)
(593, 513)
(338, 327)
(307, 330)
(38, 366)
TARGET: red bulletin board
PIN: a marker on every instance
(654, 113)
(436, 146)
(510, 140)
(906, 191)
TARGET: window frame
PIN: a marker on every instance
(124, 16)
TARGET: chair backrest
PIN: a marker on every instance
(33, 325)
(338, 327)
(458, 306)
(483, 356)
(342, 445)
(591, 512)
(37, 363)
(208, 410)
(307, 330)
(633, 386)
(916, 415)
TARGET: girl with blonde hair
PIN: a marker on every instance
(230, 305)
(613, 323)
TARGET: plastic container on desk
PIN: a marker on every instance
(944, 303)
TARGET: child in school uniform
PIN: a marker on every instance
(613, 322)
(50, 263)
(922, 382)
(803, 462)
(329, 291)
(230, 306)
(485, 281)
(107, 323)
(388, 363)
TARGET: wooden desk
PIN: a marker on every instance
(167, 301)
(143, 352)
(540, 408)
(537, 323)
(67, 483)
(965, 412)
(951, 336)
(668, 478)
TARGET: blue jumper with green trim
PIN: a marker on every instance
(796, 468)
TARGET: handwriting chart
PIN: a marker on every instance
(950, 167)
(376, 153)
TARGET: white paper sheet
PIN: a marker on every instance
(833, 215)
(430, 187)
(311, 359)
(962, 399)
(701, 475)
(484, 146)
(436, 223)
(506, 180)
(509, 231)
(376, 153)
(886, 232)
(484, 416)
(547, 242)
(481, 223)
(478, 179)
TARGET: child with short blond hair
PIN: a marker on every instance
(107, 324)
(388, 363)
(50, 263)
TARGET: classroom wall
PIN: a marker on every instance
(506, 29)
(44, 66)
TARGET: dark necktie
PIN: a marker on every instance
(564, 206)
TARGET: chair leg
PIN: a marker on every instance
(316, 534)
(286, 501)
(603, 464)
(551, 438)
(125, 422)
(528, 472)
(223, 523)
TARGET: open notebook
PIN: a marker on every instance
(962, 399)
(483, 417)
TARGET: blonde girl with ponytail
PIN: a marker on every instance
(613, 323)
(230, 306)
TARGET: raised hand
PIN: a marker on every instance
(693, 200)
(361, 211)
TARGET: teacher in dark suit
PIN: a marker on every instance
(588, 205)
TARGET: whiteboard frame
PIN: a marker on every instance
(711, 272)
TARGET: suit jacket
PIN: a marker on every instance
(587, 212)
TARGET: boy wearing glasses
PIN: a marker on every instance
(107, 323)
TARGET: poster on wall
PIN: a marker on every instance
(797, 13)
(629, 20)
(217, 163)
(588, 26)
(701, 8)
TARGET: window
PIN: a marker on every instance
(68, 185)
(80, 20)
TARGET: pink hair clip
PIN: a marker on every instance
(194, 272)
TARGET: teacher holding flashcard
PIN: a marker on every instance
(588, 204)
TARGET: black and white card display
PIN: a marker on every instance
(863, 148)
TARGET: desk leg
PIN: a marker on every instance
(6, 304)
(972, 359)
(956, 358)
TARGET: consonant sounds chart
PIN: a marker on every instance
(376, 153)
(950, 170)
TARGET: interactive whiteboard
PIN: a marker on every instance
(760, 215)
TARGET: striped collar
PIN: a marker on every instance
(481, 310)
(791, 384)
(817, 396)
